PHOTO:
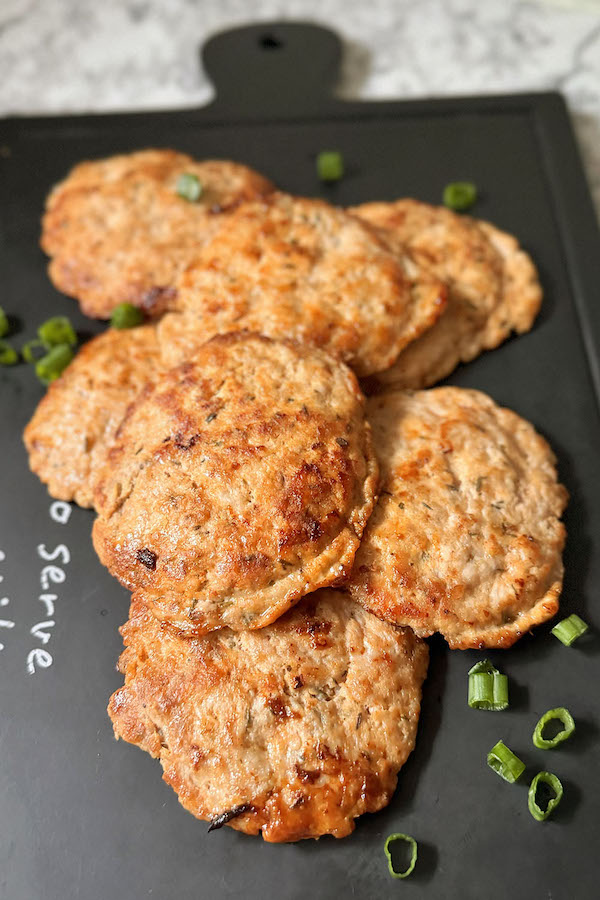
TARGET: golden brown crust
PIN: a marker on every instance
(493, 287)
(69, 433)
(294, 730)
(290, 267)
(118, 232)
(466, 537)
(237, 484)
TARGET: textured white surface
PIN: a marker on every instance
(78, 55)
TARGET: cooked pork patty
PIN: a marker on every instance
(466, 537)
(238, 483)
(69, 434)
(290, 267)
(493, 286)
(118, 231)
(293, 730)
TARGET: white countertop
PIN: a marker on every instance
(85, 55)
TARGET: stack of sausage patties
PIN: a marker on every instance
(287, 542)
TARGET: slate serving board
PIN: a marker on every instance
(82, 816)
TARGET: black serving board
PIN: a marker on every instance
(82, 816)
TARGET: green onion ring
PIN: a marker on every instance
(564, 716)
(460, 195)
(413, 856)
(189, 187)
(570, 629)
(55, 331)
(330, 165)
(504, 763)
(8, 355)
(552, 781)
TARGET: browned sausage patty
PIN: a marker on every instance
(74, 423)
(290, 267)
(293, 730)
(493, 287)
(466, 537)
(118, 231)
(238, 483)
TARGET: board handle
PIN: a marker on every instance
(272, 68)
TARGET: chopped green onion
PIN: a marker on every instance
(488, 688)
(483, 666)
(570, 629)
(4, 325)
(504, 762)
(50, 366)
(559, 714)
(388, 852)
(553, 782)
(189, 187)
(8, 356)
(330, 165)
(125, 315)
(55, 331)
(460, 195)
(33, 350)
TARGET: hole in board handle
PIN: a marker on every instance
(269, 42)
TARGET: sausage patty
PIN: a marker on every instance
(69, 433)
(466, 537)
(493, 286)
(293, 730)
(118, 231)
(290, 267)
(238, 483)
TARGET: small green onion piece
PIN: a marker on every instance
(388, 852)
(189, 187)
(504, 763)
(125, 315)
(460, 195)
(55, 331)
(553, 782)
(50, 366)
(488, 688)
(33, 350)
(484, 665)
(4, 325)
(570, 629)
(562, 715)
(8, 356)
(488, 691)
(330, 165)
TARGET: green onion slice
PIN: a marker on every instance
(125, 315)
(504, 762)
(388, 852)
(488, 688)
(562, 715)
(553, 782)
(33, 350)
(460, 195)
(570, 629)
(50, 366)
(55, 331)
(8, 355)
(4, 325)
(330, 165)
(189, 187)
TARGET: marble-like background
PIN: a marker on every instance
(82, 55)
